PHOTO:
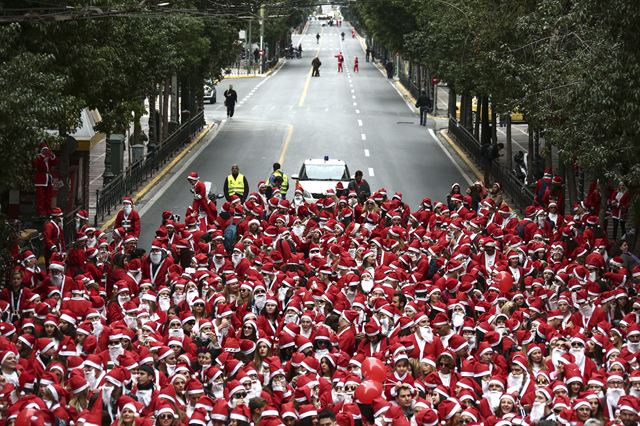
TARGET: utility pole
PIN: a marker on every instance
(261, 38)
(249, 52)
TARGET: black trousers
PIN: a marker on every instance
(230, 109)
(423, 115)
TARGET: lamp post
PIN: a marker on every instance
(261, 38)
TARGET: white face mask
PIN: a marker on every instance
(164, 302)
(127, 209)
(155, 258)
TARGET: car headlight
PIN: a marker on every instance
(306, 194)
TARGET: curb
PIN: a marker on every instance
(154, 181)
(266, 74)
(461, 154)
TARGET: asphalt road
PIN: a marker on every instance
(289, 116)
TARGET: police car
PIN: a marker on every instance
(318, 175)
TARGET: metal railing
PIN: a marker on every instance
(124, 184)
(521, 195)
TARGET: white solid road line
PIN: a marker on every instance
(180, 172)
(366, 153)
(360, 123)
(371, 174)
(455, 163)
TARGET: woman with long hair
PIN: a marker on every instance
(263, 350)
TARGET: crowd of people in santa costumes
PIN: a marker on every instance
(284, 312)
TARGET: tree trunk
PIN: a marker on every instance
(571, 186)
(509, 144)
(175, 103)
(452, 104)
(160, 112)
(494, 130)
(486, 131)
(165, 111)
(463, 110)
(602, 187)
(530, 154)
(153, 125)
(476, 116)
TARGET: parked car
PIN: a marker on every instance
(317, 175)
(210, 94)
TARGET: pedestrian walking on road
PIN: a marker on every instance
(230, 99)
(318, 38)
(340, 61)
(389, 67)
(424, 103)
(356, 62)
(367, 54)
(353, 33)
(236, 184)
(316, 67)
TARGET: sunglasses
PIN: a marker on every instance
(444, 364)
(577, 345)
(240, 395)
(166, 416)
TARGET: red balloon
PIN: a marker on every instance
(505, 281)
(374, 369)
(367, 391)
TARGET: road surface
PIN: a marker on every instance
(289, 116)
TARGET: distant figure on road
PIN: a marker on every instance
(236, 184)
(389, 67)
(342, 35)
(424, 103)
(282, 180)
(367, 54)
(230, 99)
(356, 64)
(256, 56)
(316, 67)
(360, 187)
(353, 33)
(318, 38)
(340, 61)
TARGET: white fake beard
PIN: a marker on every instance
(191, 294)
(164, 303)
(384, 325)
(217, 389)
(337, 396)
(298, 230)
(366, 285)
(427, 334)
(556, 354)
(178, 297)
(123, 299)
(131, 322)
(127, 210)
(218, 263)
(634, 392)
(176, 332)
(260, 300)
(537, 412)
(494, 399)
(514, 382)
(91, 379)
(236, 258)
(256, 389)
(56, 280)
(472, 342)
(282, 293)
(633, 347)
(115, 352)
(106, 395)
(613, 395)
(578, 354)
(155, 258)
(457, 319)
(290, 318)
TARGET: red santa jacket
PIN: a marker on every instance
(53, 237)
(42, 165)
(131, 222)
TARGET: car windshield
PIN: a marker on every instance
(325, 172)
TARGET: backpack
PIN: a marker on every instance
(230, 236)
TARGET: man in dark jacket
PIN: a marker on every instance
(424, 103)
(360, 187)
(316, 67)
(230, 99)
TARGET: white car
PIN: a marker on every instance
(210, 93)
(318, 175)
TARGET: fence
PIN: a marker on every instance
(124, 184)
(517, 191)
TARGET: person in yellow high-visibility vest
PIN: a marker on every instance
(236, 184)
(284, 186)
